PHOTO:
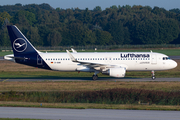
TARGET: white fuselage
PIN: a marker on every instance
(132, 61)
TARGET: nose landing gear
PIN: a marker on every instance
(153, 75)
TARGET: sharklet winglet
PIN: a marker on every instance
(71, 56)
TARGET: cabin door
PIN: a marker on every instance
(153, 59)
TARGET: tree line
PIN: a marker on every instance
(117, 25)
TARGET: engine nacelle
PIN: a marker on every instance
(117, 72)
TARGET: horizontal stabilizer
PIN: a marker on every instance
(12, 58)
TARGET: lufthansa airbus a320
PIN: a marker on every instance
(114, 64)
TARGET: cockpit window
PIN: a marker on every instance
(166, 58)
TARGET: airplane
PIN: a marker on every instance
(114, 64)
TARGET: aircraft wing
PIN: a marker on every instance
(95, 65)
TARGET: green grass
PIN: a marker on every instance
(5, 53)
(81, 75)
(107, 96)
(89, 106)
(48, 85)
(84, 86)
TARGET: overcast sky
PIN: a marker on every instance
(91, 4)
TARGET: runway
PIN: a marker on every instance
(86, 114)
(1, 58)
(175, 57)
(100, 79)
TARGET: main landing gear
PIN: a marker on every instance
(95, 76)
(153, 75)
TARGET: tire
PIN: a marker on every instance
(153, 77)
(94, 77)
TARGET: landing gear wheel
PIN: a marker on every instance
(95, 77)
(153, 77)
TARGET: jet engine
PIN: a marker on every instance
(115, 72)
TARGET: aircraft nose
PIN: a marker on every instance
(174, 64)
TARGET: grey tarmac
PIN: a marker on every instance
(99, 79)
(1, 58)
(87, 114)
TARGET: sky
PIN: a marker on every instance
(91, 4)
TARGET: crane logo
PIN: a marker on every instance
(20, 45)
